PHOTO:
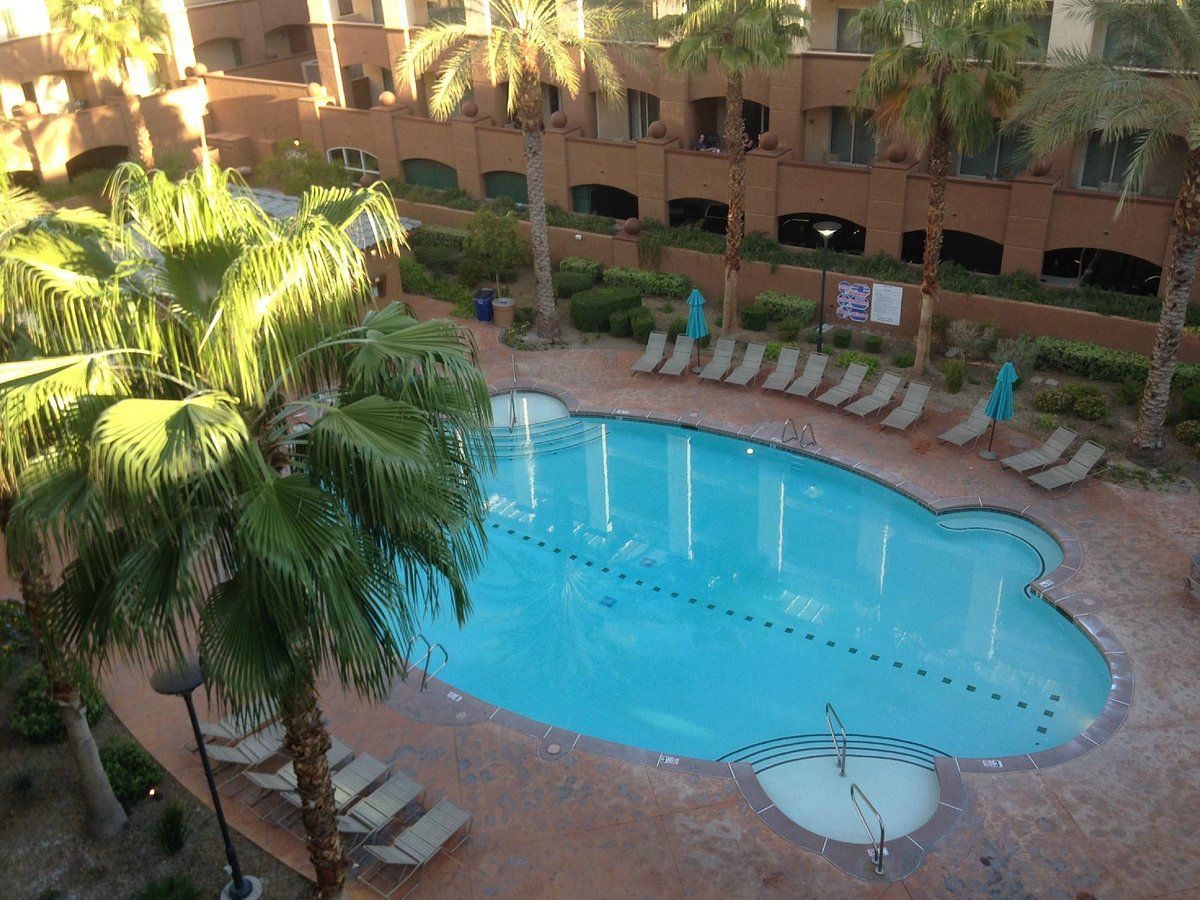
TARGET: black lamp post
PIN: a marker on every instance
(826, 230)
(180, 681)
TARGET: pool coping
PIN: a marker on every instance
(906, 853)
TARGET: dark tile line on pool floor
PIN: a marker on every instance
(905, 854)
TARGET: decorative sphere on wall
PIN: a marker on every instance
(558, 119)
(470, 109)
(1040, 168)
(768, 140)
(657, 130)
(387, 98)
(29, 109)
(632, 226)
(895, 153)
(200, 70)
(316, 90)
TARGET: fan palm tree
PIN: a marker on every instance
(21, 213)
(105, 36)
(524, 39)
(947, 71)
(1078, 95)
(233, 463)
(740, 37)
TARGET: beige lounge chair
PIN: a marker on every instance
(656, 347)
(970, 428)
(681, 357)
(878, 398)
(420, 842)
(911, 408)
(233, 727)
(249, 751)
(1050, 452)
(374, 811)
(750, 366)
(785, 370)
(284, 779)
(810, 378)
(846, 388)
(1073, 471)
(722, 359)
(349, 782)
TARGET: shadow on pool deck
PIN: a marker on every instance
(1120, 822)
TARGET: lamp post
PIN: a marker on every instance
(179, 681)
(826, 230)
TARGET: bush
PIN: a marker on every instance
(568, 284)
(790, 327)
(293, 170)
(1189, 402)
(1092, 407)
(873, 343)
(976, 340)
(1084, 400)
(904, 360)
(771, 351)
(174, 827)
(173, 887)
(618, 323)
(413, 277)
(753, 318)
(557, 217)
(1054, 400)
(439, 259)
(1046, 422)
(849, 357)
(89, 184)
(493, 248)
(15, 636)
(525, 315)
(1021, 352)
(840, 337)
(954, 371)
(654, 284)
(1130, 390)
(419, 193)
(1188, 432)
(677, 327)
(131, 770)
(1102, 364)
(641, 321)
(589, 267)
(813, 335)
(438, 236)
(590, 309)
(36, 716)
(787, 306)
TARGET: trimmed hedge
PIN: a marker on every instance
(438, 236)
(618, 323)
(441, 259)
(1102, 364)
(873, 343)
(591, 309)
(1189, 401)
(590, 267)
(840, 337)
(654, 284)
(786, 306)
(415, 280)
(568, 284)
(641, 322)
(1084, 400)
(754, 318)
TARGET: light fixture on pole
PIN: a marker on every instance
(180, 681)
(826, 230)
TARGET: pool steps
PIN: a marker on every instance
(549, 437)
(768, 754)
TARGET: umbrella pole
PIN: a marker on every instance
(696, 369)
(989, 453)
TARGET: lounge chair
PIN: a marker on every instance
(1050, 452)
(250, 751)
(970, 428)
(1073, 471)
(810, 378)
(722, 359)
(878, 398)
(374, 811)
(750, 366)
(233, 727)
(349, 782)
(911, 408)
(420, 842)
(681, 357)
(785, 370)
(656, 347)
(284, 779)
(846, 388)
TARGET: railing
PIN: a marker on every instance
(877, 848)
(512, 396)
(783, 435)
(805, 436)
(812, 435)
(831, 716)
(426, 660)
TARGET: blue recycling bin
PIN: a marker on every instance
(483, 304)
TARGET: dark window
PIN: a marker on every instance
(1104, 163)
(1001, 158)
(849, 39)
(851, 138)
(506, 184)
(430, 173)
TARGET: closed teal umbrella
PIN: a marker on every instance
(1000, 404)
(697, 327)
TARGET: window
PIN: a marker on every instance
(1040, 26)
(357, 161)
(1120, 48)
(1104, 163)
(505, 184)
(851, 138)
(849, 40)
(447, 13)
(999, 159)
(643, 109)
(430, 173)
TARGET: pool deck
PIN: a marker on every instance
(1120, 821)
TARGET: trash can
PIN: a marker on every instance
(483, 304)
(504, 309)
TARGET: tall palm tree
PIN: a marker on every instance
(105, 36)
(22, 213)
(234, 463)
(740, 37)
(1078, 95)
(947, 71)
(524, 39)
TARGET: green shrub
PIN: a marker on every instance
(1130, 390)
(654, 284)
(840, 337)
(787, 306)
(1188, 432)
(848, 357)
(753, 318)
(873, 343)
(439, 259)
(677, 326)
(525, 315)
(1091, 407)
(954, 371)
(174, 827)
(976, 340)
(568, 284)
(1084, 400)
(582, 265)
(1054, 400)
(1046, 422)
(89, 184)
(15, 637)
(641, 321)
(618, 323)
(438, 236)
(813, 335)
(131, 770)
(1102, 364)
(36, 716)
(413, 277)
(788, 328)
(419, 193)
(557, 217)
(590, 309)
(173, 887)
(293, 170)
(493, 248)
(953, 277)
(904, 359)
(772, 351)
(1189, 401)
(1021, 352)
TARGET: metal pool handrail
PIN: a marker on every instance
(812, 435)
(512, 395)
(856, 793)
(798, 435)
(425, 660)
(831, 716)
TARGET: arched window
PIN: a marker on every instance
(357, 161)
(430, 173)
(506, 184)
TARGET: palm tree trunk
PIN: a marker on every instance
(529, 113)
(105, 815)
(939, 170)
(307, 741)
(735, 147)
(144, 146)
(1152, 413)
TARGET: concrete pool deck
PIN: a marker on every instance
(1120, 821)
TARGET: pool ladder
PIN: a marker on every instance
(512, 396)
(877, 851)
(425, 661)
(805, 436)
(839, 748)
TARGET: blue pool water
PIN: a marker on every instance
(672, 590)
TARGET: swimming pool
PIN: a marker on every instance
(694, 594)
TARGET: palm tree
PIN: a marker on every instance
(525, 38)
(740, 36)
(947, 71)
(1078, 95)
(105, 36)
(239, 466)
(22, 213)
